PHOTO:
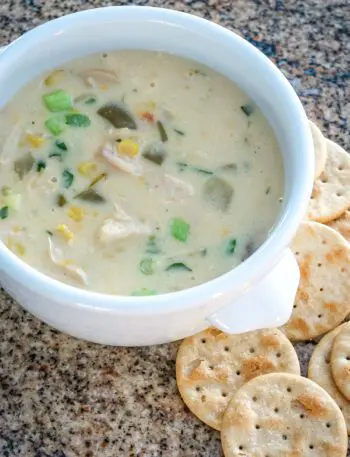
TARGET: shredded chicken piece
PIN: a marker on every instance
(176, 188)
(75, 272)
(125, 163)
(121, 226)
(98, 76)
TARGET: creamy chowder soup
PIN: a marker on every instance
(136, 173)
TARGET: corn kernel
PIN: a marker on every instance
(128, 147)
(63, 230)
(87, 169)
(76, 213)
(35, 140)
(103, 87)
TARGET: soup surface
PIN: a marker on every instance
(136, 173)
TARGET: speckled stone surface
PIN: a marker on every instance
(60, 397)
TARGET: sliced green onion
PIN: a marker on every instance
(179, 132)
(55, 124)
(4, 212)
(180, 229)
(97, 179)
(67, 178)
(58, 100)
(49, 232)
(90, 195)
(77, 120)
(247, 109)
(40, 165)
(178, 266)
(162, 133)
(61, 145)
(185, 166)
(231, 246)
(146, 266)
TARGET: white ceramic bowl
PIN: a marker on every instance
(258, 293)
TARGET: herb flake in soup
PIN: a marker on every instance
(111, 182)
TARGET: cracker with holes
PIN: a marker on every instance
(342, 225)
(281, 414)
(322, 300)
(320, 149)
(212, 365)
(340, 360)
(331, 193)
(320, 372)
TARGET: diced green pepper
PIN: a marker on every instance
(180, 229)
(55, 124)
(58, 100)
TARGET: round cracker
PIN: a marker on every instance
(320, 149)
(320, 371)
(322, 300)
(212, 365)
(281, 414)
(340, 361)
(342, 225)
(331, 193)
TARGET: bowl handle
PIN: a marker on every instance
(267, 304)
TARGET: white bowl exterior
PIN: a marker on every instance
(148, 320)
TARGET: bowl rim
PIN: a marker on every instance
(255, 267)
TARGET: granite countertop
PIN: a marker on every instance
(60, 397)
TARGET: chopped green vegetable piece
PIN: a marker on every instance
(68, 178)
(268, 190)
(154, 153)
(87, 99)
(195, 71)
(97, 179)
(179, 132)
(23, 165)
(61, 200)
(4, 212)
(58, 154)
(144, 292)
(117, 116)
(55, 124)
(180, 229)
(178, 266)
(218, 193)
(162, 133)
(90, 101)
(61, 145)
(49, 232)
(58, 100)
(231, 246)
(40, 165)
(90, 195)
(146, 266)
(77, 120)
(185, 166)
(247, 109)
(152, 245)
